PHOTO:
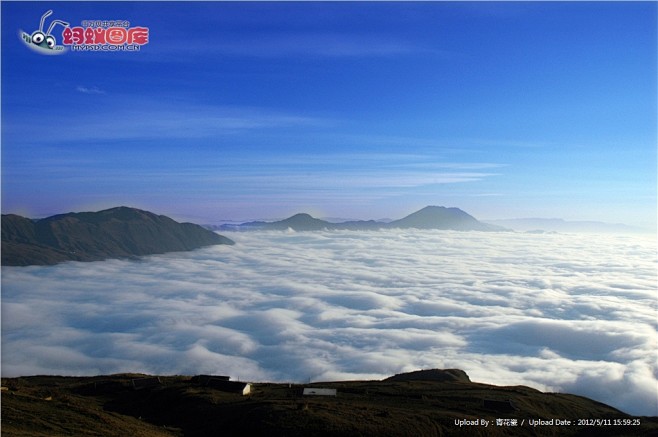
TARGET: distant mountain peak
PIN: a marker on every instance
(440, 217)
(437, 207)
(433, 209)
(429, 217)
(302, 216)
(300, 222)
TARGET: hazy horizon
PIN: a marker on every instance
(521, 224)
(346, 109)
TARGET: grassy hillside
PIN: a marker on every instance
(180, 406)
(91, 236)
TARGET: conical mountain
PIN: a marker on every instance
(300, 222)
(440, 217)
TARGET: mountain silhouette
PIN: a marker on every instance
(298, 222)
(120, 232)
(430, 217)
(440, 217)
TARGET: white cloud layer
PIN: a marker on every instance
(562, 313)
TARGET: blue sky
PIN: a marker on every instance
(356, 110)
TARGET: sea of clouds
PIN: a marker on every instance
(566, 313)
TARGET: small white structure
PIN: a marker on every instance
(319, 392)
(242, 388)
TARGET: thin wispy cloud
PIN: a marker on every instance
(286, 172)
(203, 160)
(314, 45)
(556, 312)
(320, 45)
(136, 118)
(89, 90)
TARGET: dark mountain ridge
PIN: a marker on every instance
(120, 232)
(430, 217)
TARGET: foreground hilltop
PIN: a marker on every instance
(423, 403)
(91, 236)
(430, 217)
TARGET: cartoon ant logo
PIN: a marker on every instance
(44, 43)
